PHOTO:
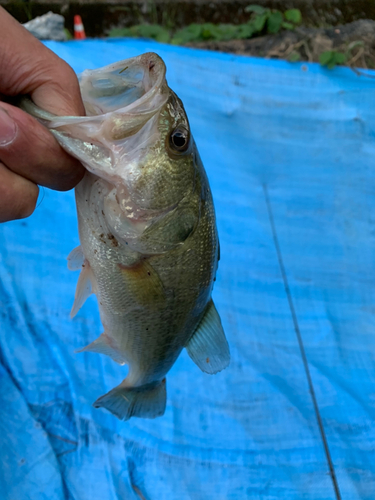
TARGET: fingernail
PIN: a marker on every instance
(8, 129)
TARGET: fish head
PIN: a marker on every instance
(136, 138)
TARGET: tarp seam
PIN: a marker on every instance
(301, 346)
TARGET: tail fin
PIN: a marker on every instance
(146, 401)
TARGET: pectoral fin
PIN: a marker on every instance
(84, 288)
(144, 284)
(208, 347)
(104, 345)
(171, 230)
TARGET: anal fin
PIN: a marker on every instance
(146, 401)
(104, 345)
(208, 347)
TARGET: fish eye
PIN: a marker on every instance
(179, 139)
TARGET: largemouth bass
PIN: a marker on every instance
(149, 244)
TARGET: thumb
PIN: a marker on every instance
(28, 67)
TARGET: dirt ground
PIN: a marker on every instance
(308, 44)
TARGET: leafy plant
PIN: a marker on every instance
(293, 16)
(256, 9)
(27, 6)
(153, 31)
(208, 31)
(272, 20)
(332, 58)
(294, 56)
(68, 34)
(261, 20)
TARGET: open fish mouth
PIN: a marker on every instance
(119, 99)
(122, 101)
(130, 85)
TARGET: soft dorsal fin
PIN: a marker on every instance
(208, 347)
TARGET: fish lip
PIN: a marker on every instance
(154, 63)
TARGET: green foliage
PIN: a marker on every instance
(27, 6)
(256, 9)
(288, 26)
(153, 31)
(274, 22)
(294, 57)
(258, 22)
(354, 45)
(68, 34)
(262, 20)
(332, 58)
(203, 32)
(294, 16)
(271, 20)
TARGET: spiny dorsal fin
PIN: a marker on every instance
(208, 347)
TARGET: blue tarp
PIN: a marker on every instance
(289, 150)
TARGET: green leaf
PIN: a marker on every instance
(153, 31)
(208, 31)
(245, 31)
(227, 32)
(191, 33)
(293, 15)
(120, 32)
(332, 58)
(354, 45)
(68, 34)
(288, 26)
(326, 57)
(259, 22)
(177, 40)
(257, 9)
(274, 22)
(163, 37)
(294, 57)
(340, 58)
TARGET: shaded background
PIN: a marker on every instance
(99, 16)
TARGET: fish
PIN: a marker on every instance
(149, 246)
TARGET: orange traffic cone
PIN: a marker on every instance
(79, 30)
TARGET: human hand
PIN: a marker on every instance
(29, 154)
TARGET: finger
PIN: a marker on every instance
(18, 196)
(28, 67)
(30, 150)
